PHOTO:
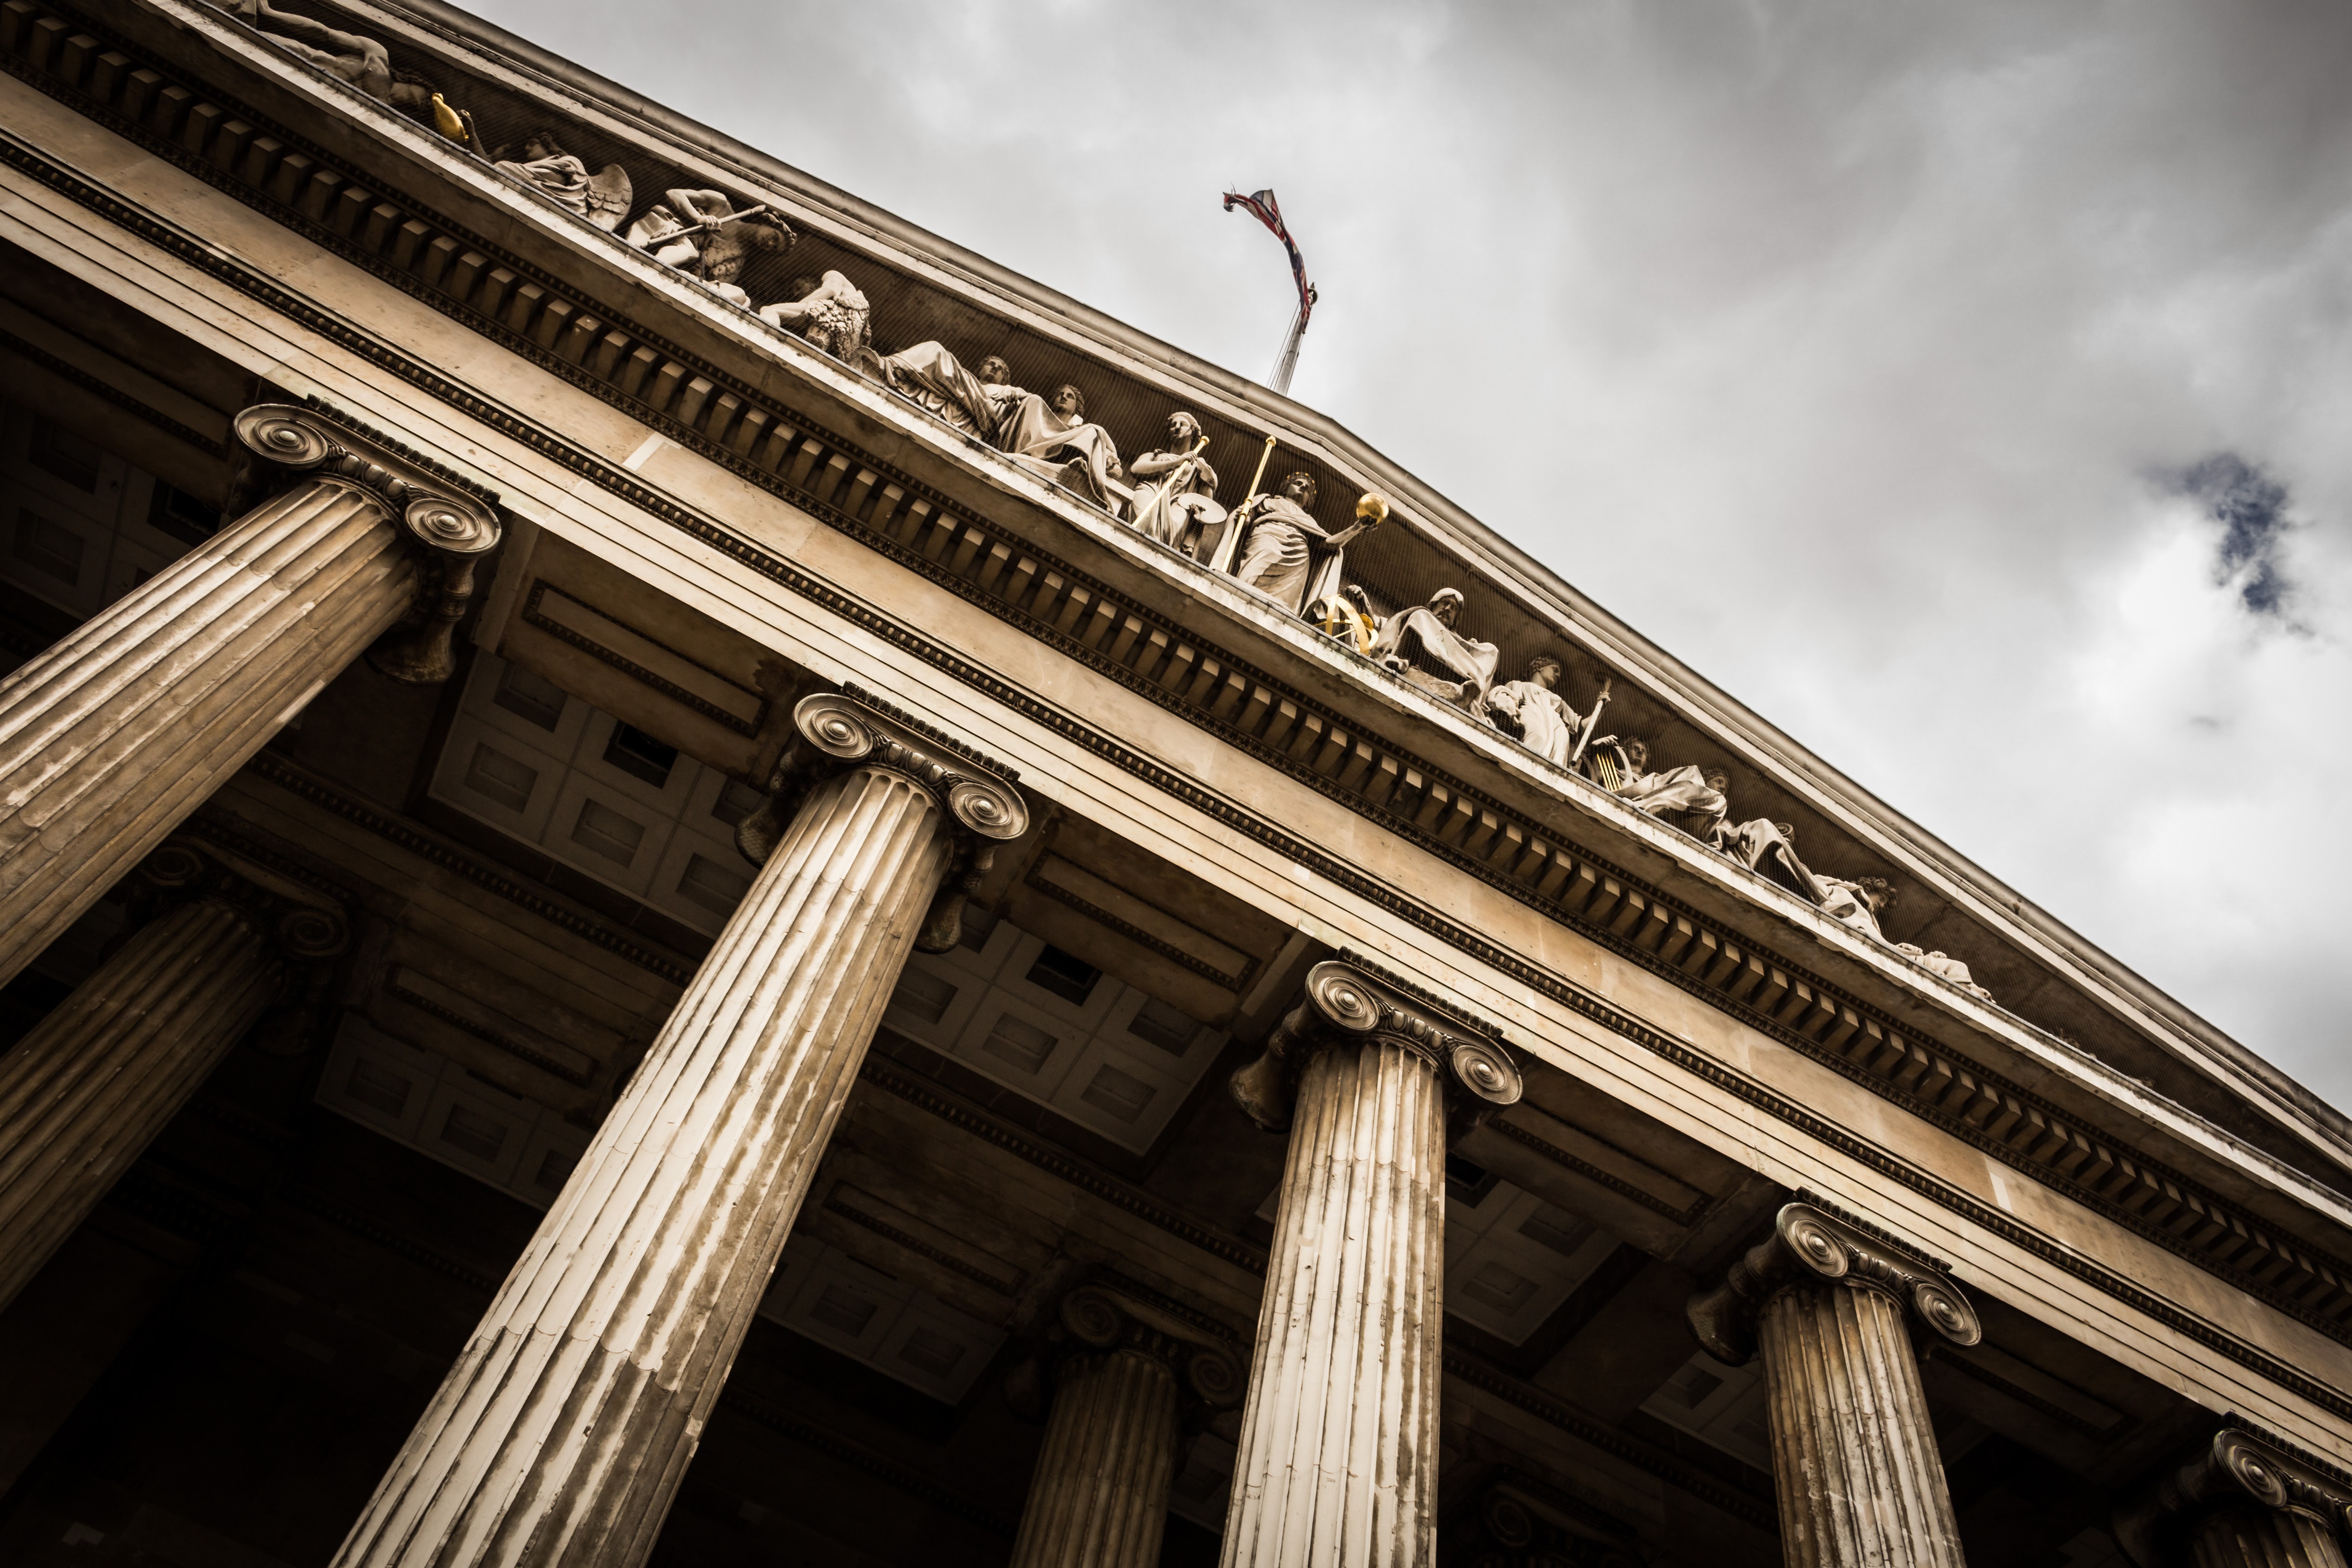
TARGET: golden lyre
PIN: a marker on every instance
(445, 120)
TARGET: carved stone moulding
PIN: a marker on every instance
(306, 937)
(450, 527)
(1350, 1001)
(2242, 1477)
(1809, 1246)
(853, 728)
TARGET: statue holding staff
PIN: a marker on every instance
(1530, 712)
(1175, 492)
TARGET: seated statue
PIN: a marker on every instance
(930, 378)
(1952, 969)
(830, 314)
(1346, 616)
(1858, 904)
(1622, 769)
(1175, 492)
(363, 61)
(1530, 711)
(603, 199)
(1278, 536)
(1052, 436)
(1421, 644)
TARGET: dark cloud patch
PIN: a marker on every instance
(2251, 507)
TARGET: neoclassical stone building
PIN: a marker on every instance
(652, 914)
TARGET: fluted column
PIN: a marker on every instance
(110, 738)
(1336, 1463)
(2238, 1500)
(1100, 1496)
(562, 1431)
(1854, 1463)
(87, 1091)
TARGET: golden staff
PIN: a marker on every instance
(1592, 723)
(1263, 458)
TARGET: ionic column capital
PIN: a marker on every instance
(436, 512)
(1099, 1319)
(1350, 1001)
(300, 931)
(1810, 1246)
(436, 515)
(2235, 1469)
(980, 805)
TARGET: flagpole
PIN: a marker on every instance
(1280, 381)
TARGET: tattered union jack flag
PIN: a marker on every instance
(1261, 205)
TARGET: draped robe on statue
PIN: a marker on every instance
(1544, 723)
(1179, 501)
(1682, 789)
(1277, 549)
(1415, 643)
(936, 382)
(563, 179)
(1064, 447)
(1844, 901)
(1763, 847)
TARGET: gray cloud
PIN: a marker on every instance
(1829, 342)
(2252, 510)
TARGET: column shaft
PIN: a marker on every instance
(1338, 1448)
(562, 1431)
(2253, 1537)
(1853, 1456)
(1099, 1498)
(113, 736)
(93, 1083)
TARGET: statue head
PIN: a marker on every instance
(803, 286)
(1877, 892)
(1184, 430)
(1716, 780)
(539, 144)
(1446, 605)
(1354, 594)
(1544, 670)
(1637, 754)
(1068, 402)
(995, 371)
(1300, 489)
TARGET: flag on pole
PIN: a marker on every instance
(1261, 205)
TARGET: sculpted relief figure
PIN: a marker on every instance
(1346, 616)
(1530, 712)
(1952, 969)
(1622, 767)
(1858, 904)
(1278, 538)
(603, 199)
(831, 314)
(1052, 436)
(1175, 489)
(1422, 644)
(974, 401)
(360, 60)
(701, 233)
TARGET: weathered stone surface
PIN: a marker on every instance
(564, 1428)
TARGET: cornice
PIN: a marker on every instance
(1152, 657)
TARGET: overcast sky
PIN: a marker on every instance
(1964, 387)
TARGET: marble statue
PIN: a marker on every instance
(601, 198)
(1052, 436)
(1622, 767)
(933, 380)
(1952, 969)
(363, 61)
(1175, 492)
(702, 233)
(1530, 712)
(831, 314)
(1857, 903)
(1421, 644)
(1346, 616)
(1769, 849)
(1278, 537)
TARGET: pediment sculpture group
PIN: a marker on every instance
(1273, 542)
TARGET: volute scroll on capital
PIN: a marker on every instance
(1351, 1001)
(2234, 1468)
(1097, 1319)
(1808, 1247)
(435, 512)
